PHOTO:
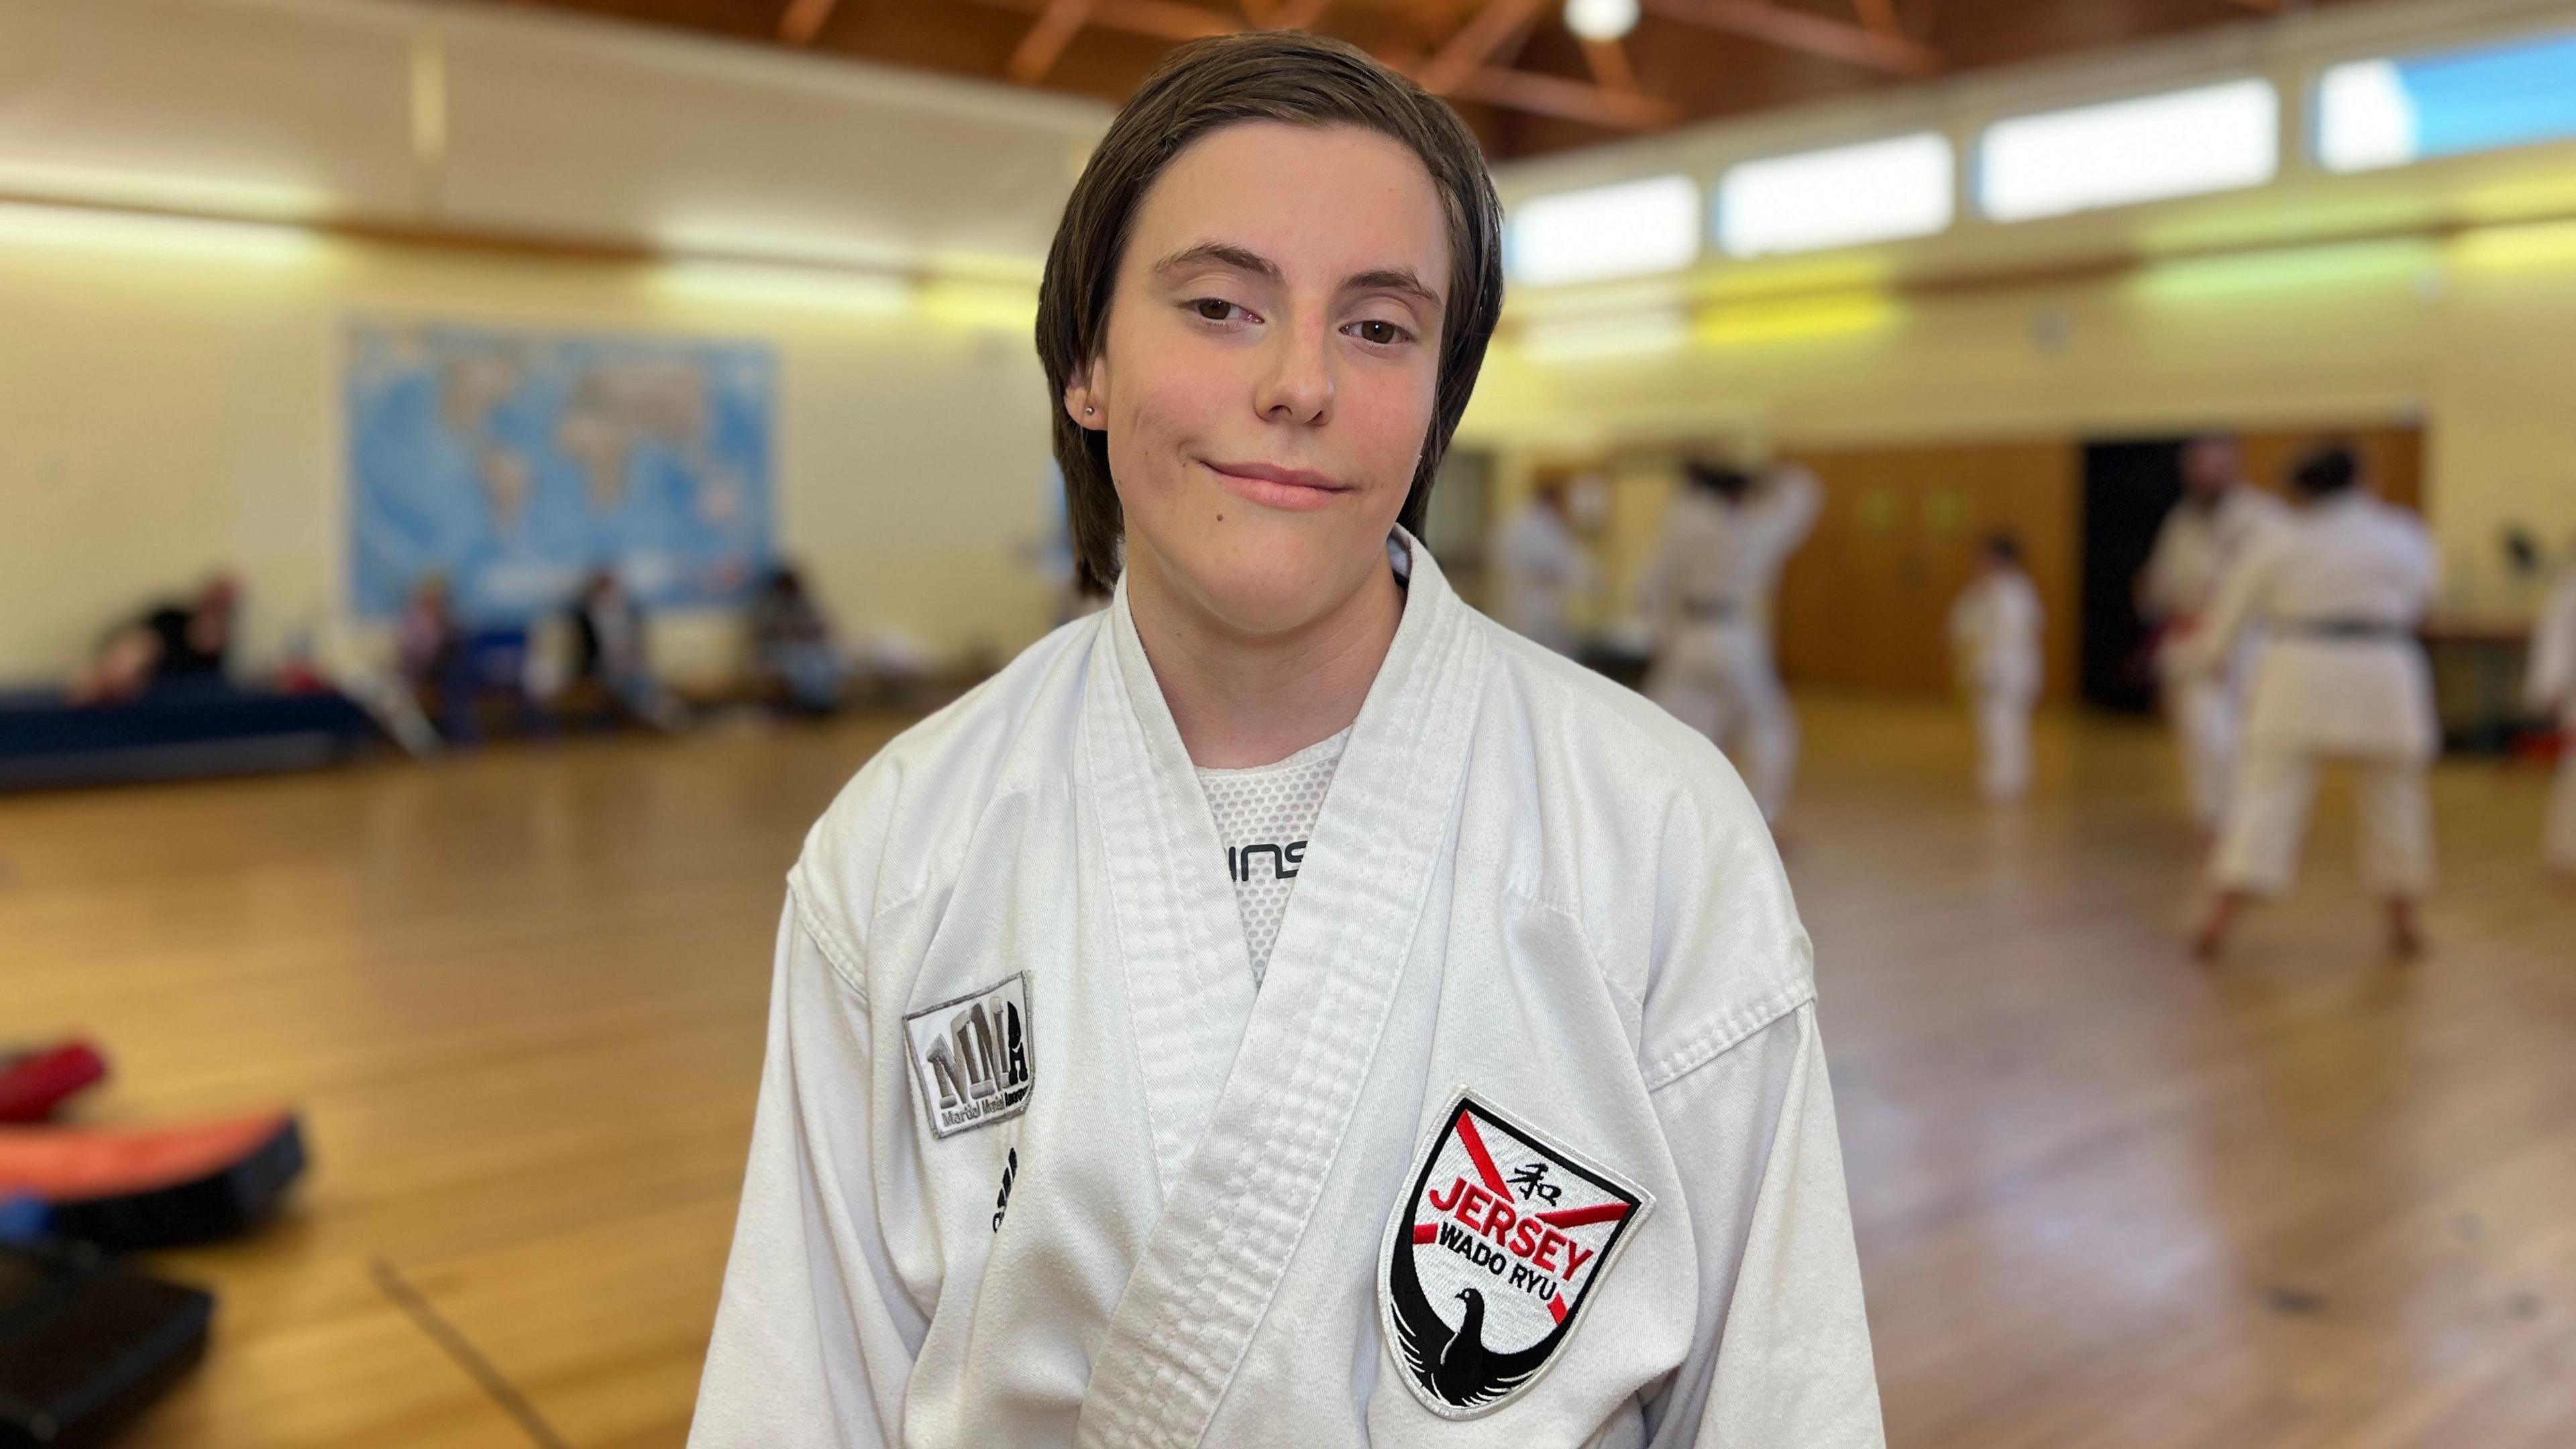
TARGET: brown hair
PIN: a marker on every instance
(1283, 76)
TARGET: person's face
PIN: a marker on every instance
(2210, 467)
(1269, 369)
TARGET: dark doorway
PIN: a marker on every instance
(2128, 489)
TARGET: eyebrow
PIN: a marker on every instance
(1402, 280)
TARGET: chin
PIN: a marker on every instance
(1271, 577)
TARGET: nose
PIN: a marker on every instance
(1296, 384)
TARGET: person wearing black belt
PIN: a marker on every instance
(2341, 590)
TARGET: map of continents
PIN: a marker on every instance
(515, 463)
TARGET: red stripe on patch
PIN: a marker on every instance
(1608, 1212)
(1426, 1233)
(1475, 1145)
(1557, 1307)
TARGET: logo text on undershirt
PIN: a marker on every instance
(1284, 860)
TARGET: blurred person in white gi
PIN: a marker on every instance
(1287, 1008)
(1995, 627)
(2340, 588)
(2218, 518)
(1541, 570)
(2549, 681)
(1708, 594)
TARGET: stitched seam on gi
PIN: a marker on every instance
(844, 959)
(1726, 1031)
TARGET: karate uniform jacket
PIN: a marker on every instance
(1723, 557)
(2549, 680)
(1541, 571)
(1995, 629)
(2340, 590)
(1034, 1164)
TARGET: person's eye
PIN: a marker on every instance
(1380, 332)
(1216, 309)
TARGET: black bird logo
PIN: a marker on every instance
(1454, 1364)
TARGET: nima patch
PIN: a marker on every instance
(971, 1057)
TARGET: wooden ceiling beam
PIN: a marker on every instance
(1878, 17)
(1812, 34)
(1161, 19)
(1486, 31)
(1038, 51)
(1298, 14)
(1608, 60)
(1570, 100)
(1544, 95)
(802, 20)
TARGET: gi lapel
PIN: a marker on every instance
(1233, 1216)
(1188, 972)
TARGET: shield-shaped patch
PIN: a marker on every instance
(1491, 1256)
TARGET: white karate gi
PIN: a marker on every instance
(1994, 631)
(2340, 590)
(1708, 593)
(1526, 882)
(2193, 552)
(2550, 683)
(1539, 572)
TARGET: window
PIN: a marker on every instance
(2388, 112)
(1843, 196)
(2181, 143)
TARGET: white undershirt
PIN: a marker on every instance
(1264, 817)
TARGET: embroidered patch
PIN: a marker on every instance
(1491, 1255)
(971, 1056)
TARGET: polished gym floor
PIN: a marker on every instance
(2106, 1197)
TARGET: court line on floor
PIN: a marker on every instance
(469, 1358)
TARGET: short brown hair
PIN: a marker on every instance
(1284, 76)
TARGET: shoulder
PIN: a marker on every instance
(903, 820)
(1632, 823)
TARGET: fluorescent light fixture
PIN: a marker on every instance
(1794, 319)
(1628, 230)
(250, 200)
(1601, 19)
(2180, 143)
(1842, 196)
(188, 238)
(801, 289)
(2397, 109)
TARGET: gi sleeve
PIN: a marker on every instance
(1782, 1358)
(815, 1336)
(2244, 596)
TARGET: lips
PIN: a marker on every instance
(1276, 487)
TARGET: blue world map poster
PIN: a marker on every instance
(515, 463)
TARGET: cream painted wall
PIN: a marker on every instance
(169, 402)
(2475, 336)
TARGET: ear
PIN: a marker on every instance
(1084, 403)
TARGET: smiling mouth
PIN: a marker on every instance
(1274, 487)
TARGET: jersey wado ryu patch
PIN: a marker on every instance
(971, 1056)
(1491, 1255)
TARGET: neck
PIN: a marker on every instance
(1240, 699)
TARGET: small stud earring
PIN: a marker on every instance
(1087, 411)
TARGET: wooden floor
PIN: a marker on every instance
(2105, 1198)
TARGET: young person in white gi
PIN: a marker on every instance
(2219, 517)
(1540, 570)
(1523, 1135)
(1995, 627)
(2549, 681)
(1708, 593)
(2341, 589)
